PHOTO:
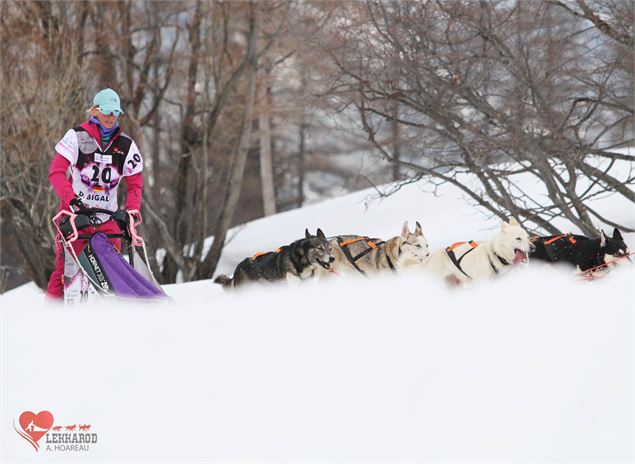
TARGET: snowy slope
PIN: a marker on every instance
(446, 215)
(536, 366)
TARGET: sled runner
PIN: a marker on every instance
(99, 271)
(600, 271)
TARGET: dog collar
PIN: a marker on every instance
(502, 260)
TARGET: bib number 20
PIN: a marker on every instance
(105, 175)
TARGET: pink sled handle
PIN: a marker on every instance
(72, 216)
(135, 219)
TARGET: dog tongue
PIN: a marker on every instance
(519, 257)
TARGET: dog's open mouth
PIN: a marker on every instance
(520, 257)
(326, 266)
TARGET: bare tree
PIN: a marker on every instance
(37, 41)
(493, 89)
(240, 151)
(220, 92)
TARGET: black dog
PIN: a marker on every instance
(584, 252)
(297, 261)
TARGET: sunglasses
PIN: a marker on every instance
(116, 113)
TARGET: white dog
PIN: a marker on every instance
(466, 261)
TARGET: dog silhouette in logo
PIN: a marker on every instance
(84, 427)
(71, 428)
(57, 428)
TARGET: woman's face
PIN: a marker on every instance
(106, 120)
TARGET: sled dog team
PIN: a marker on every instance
(458, 263)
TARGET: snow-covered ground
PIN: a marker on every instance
(534, 367)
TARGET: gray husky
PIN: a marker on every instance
(361, 254)
(294, 262)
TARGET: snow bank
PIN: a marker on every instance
(534, 366)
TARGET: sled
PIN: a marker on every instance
(602, 270)
(100, 271)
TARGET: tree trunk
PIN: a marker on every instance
(264, 133)
(302, 161)
(106, 72)
(180, 226)
(396, 142)
(239, 156)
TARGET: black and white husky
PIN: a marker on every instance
(583, 252)
(466, 261)
(294, 262)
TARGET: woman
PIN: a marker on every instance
(99, 154)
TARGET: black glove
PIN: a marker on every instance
(81, 222)
(122, 218)
(78, 207)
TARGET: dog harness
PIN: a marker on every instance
(262, 253)
(554, 244)
(457, 261)
(569, 237)
(373, 244)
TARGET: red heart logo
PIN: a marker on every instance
(35, 426)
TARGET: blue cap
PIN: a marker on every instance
(108, 102)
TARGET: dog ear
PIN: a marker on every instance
(513, 222)
(603, 238)
(405, 230)
(504, 225)
(306, 233)
(418, 230)
(320, 234)
(617, 234)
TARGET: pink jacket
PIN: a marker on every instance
(64, 189)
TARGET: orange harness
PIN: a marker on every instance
(369, 242)
(570, 237)
(262, 253)
(472, 243)
(554, 244)
(457, 262)
(373, 244)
